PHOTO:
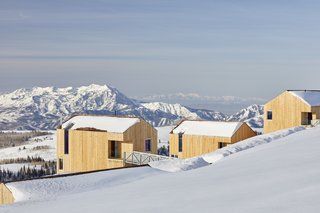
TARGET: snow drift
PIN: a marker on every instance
(176, 165)
(274, 177)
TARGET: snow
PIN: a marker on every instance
(310, 97)
(281, 176)
(177, 165)
(175, 109)
(105, 123)
(208, 128)
(163, 135)
(28, 149)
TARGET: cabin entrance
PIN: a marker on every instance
(306, 118)
(114, 149)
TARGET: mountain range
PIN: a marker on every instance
(45, 108)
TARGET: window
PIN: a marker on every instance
(221, 145)
(114, 149)
(60, 164)
(148, 145)
(269, 115)
(66, 142)
(180, 142)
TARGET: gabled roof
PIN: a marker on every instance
(208, 128)
(102, 123)
(310, 97)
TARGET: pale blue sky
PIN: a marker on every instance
(144, 47)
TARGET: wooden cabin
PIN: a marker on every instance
(6, 196)
(193, 138)
(292, 108)
(88, 142)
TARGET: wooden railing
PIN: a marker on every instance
(141, 158)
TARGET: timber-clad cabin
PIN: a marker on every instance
(6, 196)
(292, 108)
(89, 142)
(193, 138)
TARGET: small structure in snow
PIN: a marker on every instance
(193, 138)
(292, 108)
(6, 196)
(89, 142)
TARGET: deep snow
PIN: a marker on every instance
(105, 123)
(281, 176)
(208, 128)
(311, 98)
(176, 165)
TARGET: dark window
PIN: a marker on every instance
(269, 115)
(114, 152)
(60, 164)
(309, 118)
(66, 142)
(221, 145)
(180, 142)
(148, 145)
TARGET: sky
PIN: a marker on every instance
(241, 48)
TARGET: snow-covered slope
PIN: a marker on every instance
(281, 176)
(185, 112)
(45, 107)
(30, 149)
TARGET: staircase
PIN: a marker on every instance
(142, 158)
(315, 123)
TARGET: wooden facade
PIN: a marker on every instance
(6, 196)
(288, 110)
(195, 145)
(90, 149)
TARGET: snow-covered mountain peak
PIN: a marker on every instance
(43, 107)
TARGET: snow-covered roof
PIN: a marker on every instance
(208, 128)
(104, 123)
(310, 97)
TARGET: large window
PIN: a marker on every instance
(66, 142)
(148, 145)
(269, 115)
(180, 142)
(60, 164)
(114, 149)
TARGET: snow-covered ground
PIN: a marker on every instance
(279, 175)
(175, 165)
(30, 149)
(163, 135)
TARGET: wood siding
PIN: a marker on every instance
(243, 133)
(194, 145)
(315, 112)
(90, 150)
(287, 111)
(6, 196)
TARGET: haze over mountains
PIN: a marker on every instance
(226, 104)
(46, 107)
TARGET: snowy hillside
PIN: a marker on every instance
(43, 108)
(279, 175)
(30, 149)
(252, 114)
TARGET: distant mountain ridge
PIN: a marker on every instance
(45, 107)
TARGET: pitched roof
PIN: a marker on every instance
(208, 128)
(310, 97)
(103, 123)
